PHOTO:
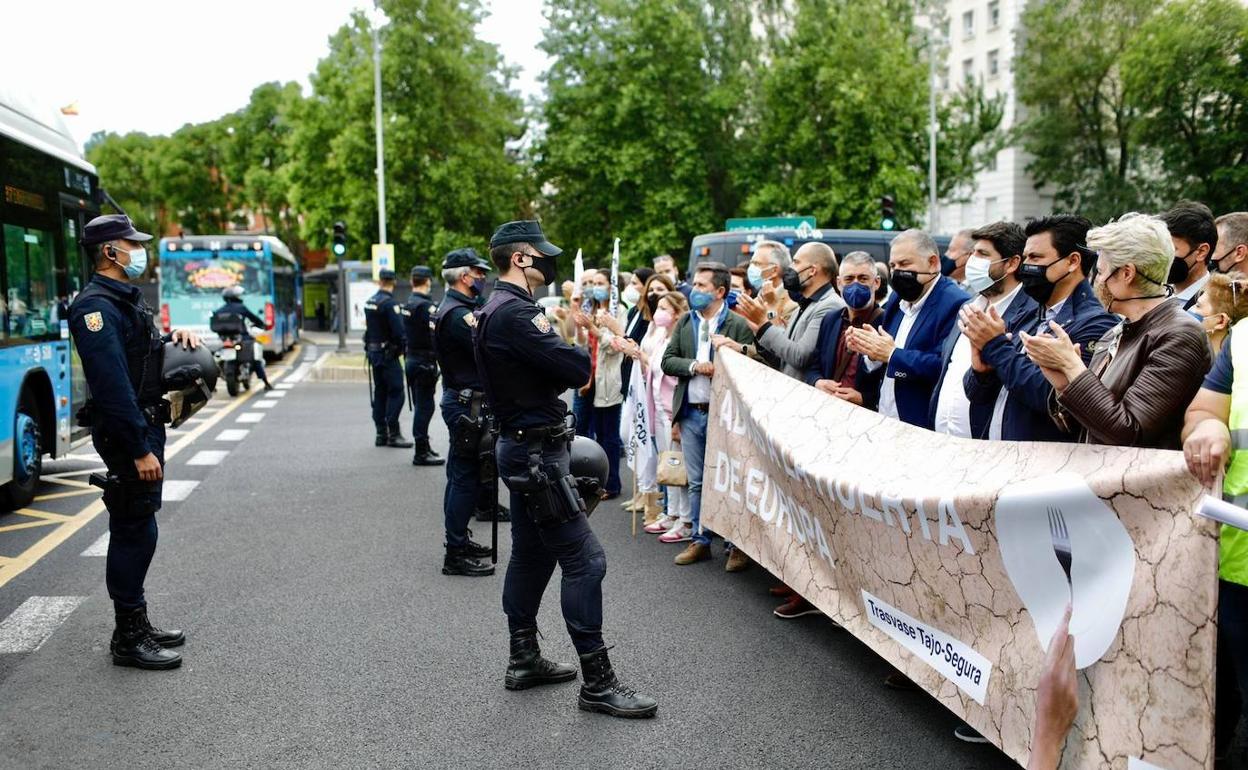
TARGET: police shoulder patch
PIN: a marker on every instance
(398, 310)
(470, 319)
(95, 321)
(541, 322)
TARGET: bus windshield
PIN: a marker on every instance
(198, 275)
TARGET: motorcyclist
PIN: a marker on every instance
(234, 306)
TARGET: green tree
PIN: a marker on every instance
(642, 121)
(449, 119)
(843, 118)
(257, 155)
(1187, 68)
(1082, 119)
(125, 163)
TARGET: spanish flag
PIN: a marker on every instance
(70, 109)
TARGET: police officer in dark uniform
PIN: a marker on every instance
(121, 358)
(463, 409)
(383, 344)
(526, 367)
(234, 308)
(421, 363)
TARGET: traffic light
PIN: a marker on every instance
(888, 213)
(340, 239)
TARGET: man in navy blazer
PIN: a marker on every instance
(992, 273)
(1054, 274)
(902, 363)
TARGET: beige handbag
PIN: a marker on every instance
(671, 469)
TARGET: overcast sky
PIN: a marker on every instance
(153, 65)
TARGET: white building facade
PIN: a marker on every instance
(982, 36)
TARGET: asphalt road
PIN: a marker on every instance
(305, 567)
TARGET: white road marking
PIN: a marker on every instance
(99, 547)
(264, 404)
(33, 622)
(284, 386)
(275, 394)
(233, 434)
(208, 457)
(250, 417)
(173, 491)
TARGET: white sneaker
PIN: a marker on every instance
(680, 533)
(663, 524)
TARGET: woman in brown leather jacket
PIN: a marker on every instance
(1145, 371)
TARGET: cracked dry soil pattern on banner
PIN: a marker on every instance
(1149, 696)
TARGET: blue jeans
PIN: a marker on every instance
(463, 479)
(387, 391)
(605, 427)
(582, 407)
(535, 551)
(132, 508)
(423, 381)
(693, 445)
(1232, 665)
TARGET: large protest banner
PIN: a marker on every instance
(955, 559)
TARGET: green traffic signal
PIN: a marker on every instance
(340, 249)
(887, 224)
(340, 239)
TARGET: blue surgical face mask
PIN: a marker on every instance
(1197, 316)
(857, 295)
(601, 293)
(478, 286)
(754, 274)
(138, 263)
(700, 300)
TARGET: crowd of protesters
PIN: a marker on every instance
(1051, 330)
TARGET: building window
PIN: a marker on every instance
(992, 209)
(968, 24)
(994, 63)
(994, 14)
(968, 70)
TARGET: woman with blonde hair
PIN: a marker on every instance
(1223, 303)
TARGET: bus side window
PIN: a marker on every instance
(31, 296)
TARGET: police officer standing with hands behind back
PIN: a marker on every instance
(526, 367)
(421, 363)
(121, 358)
(383, 343)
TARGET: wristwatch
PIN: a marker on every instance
(771, 315)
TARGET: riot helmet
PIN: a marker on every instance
(589, 466)
(188, 378)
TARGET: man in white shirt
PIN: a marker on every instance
(992, 273)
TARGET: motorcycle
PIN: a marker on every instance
(237, 353)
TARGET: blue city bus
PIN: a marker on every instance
(195, 269)
(49, 193)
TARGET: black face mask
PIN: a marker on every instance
(1035, 281)
(791, 281)
(1179, 269)
(545, 266)
(947, 266)
(907, 284)
(652, 302)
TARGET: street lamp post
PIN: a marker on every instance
(381, 145)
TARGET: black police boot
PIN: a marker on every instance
(527, 668)
(458, 562)
(477, 551)
(383, 437)
(502, 512)
(426, 456)
(132, 645)
(602, 692)
(395, 439)
(174, 637)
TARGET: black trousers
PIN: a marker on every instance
(536, 550)
(132, 505)
(422, 378)
(388, 393)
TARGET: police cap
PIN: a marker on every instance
(111, 227)
(524, 231)
(465, 257)
(421, 273)
(386, 275)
